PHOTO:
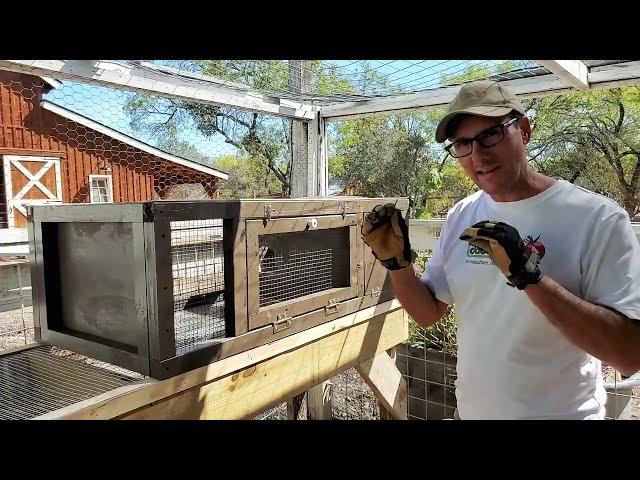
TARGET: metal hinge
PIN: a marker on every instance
(267, 211)
(282, 322)
(376, 292)
(332, 307)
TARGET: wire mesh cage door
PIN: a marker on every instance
(297, 265)
(192, 307)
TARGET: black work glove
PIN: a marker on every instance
(517, 261)
(386, 232)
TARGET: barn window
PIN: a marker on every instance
(101, 188)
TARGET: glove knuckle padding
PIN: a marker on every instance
(507, 250)
(386, 233)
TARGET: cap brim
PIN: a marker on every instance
(483, 111)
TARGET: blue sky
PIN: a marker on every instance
(106, 105)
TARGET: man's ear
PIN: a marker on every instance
(525, 128)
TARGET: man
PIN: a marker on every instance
(544, 275)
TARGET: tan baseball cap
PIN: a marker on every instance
(486, 98)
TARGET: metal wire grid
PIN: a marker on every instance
(198, 282)
(396, 76)
(295, 264)
(304, 273)
(43, 379)
(430, 378)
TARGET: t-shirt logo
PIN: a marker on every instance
(534, 246)
(473, 251)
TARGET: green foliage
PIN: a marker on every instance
(248, 178)
(591, 139)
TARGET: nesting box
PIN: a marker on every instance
(164, 287)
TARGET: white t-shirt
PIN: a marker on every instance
(512, 362)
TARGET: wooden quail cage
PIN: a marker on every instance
(164, 287)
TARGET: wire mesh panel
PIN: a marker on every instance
(293, 265)
(198, 282)
(43, 379)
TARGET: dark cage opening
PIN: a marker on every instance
(293, 265)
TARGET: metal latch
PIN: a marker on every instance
(343, 207)
(267, 211)
(375, 292)
(282, 322)
(332, 307)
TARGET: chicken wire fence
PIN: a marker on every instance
(72, 142)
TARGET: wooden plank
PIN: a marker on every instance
(261, 386)
(384, 378)
(620, 72)
(71, 179)
(130, 193)
(574, 72)
(159, 83)
(153, 391)
(136, 183)
(384, 413)
(439, 97)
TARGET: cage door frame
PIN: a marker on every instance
(261, 316)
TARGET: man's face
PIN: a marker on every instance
(495, 169)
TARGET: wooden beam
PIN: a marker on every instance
(155, 81)
(384, 378)
(246, 393)
(574, 72)
(615, 75)
(525, 87)
(384, 412)
(119, 401)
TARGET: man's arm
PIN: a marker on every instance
(604, 333)
(416, 298)
(386, 232)
(612, 273)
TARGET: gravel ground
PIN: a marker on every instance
(11, 328)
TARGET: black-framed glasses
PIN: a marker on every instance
(487, 138)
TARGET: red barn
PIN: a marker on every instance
(51, 154)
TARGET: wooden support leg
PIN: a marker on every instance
(288, 367)
(319, 402)
(384, 378)
(384, 413)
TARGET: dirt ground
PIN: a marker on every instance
(352, 399)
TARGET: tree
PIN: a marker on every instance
(592, 139)
(247, 178)
(378, 156)
(257, 136)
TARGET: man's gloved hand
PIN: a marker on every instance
(386, 232)
(507, 250)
